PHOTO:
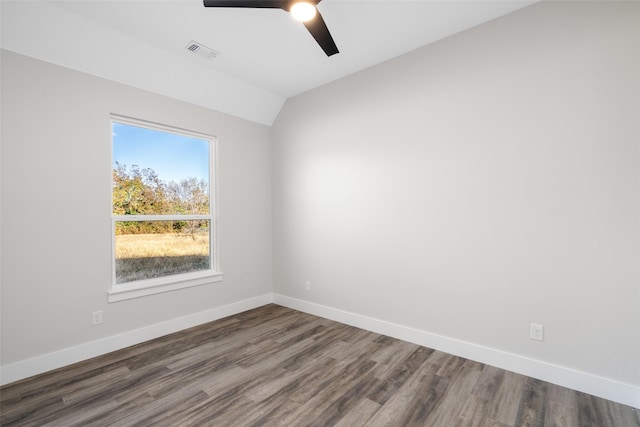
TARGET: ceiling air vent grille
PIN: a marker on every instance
(201, 50)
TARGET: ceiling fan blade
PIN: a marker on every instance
(267, 4)
(320, 32)
(316, 26)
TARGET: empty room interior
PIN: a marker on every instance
(409, 213)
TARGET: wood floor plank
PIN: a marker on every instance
(93, 385)
(400, 374)
(359, 415)
(505, 402)
(274, 366)
(412, 402)
(489, 382)
(563, 408)
(284, 402)
(175, 405)
(559, 415)
(315, 410)
(450, 367)
(531, 412)
(114, 414)
(388, 359)
(43, 414)
(460, 390)
(331, 404)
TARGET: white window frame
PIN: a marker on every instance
(139, 288)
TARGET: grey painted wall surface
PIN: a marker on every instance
(466, 189)
(477, 185)
(56, 201)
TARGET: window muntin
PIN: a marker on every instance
(163, 205)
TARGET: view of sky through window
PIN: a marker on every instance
(173, 157)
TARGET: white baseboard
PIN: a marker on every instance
(47, 362)
(582, 381)
(606, 388)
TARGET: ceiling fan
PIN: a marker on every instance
(301, 10)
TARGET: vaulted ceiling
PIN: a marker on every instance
(264, 56)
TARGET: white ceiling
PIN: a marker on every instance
(265, 56)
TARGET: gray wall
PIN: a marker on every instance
(476, 185)
(56, 227)
(466, 189)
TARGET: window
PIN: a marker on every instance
(163, 209)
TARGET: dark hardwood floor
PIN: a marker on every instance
(274, 366)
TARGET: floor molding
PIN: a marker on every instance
(582, 381)
(616, 391)
(47, 362)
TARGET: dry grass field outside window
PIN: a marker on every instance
(146, 256)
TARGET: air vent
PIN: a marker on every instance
(201, 50)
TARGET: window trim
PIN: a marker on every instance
(154, 286)
(139, 288)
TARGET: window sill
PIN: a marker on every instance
(154, 286)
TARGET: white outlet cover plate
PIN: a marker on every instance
(536, 332)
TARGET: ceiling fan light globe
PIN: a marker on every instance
(303, 11)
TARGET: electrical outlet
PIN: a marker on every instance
(536, 332)
(307, 285)
(96, 317)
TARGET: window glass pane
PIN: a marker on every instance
(159, 173)
(150, 249)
